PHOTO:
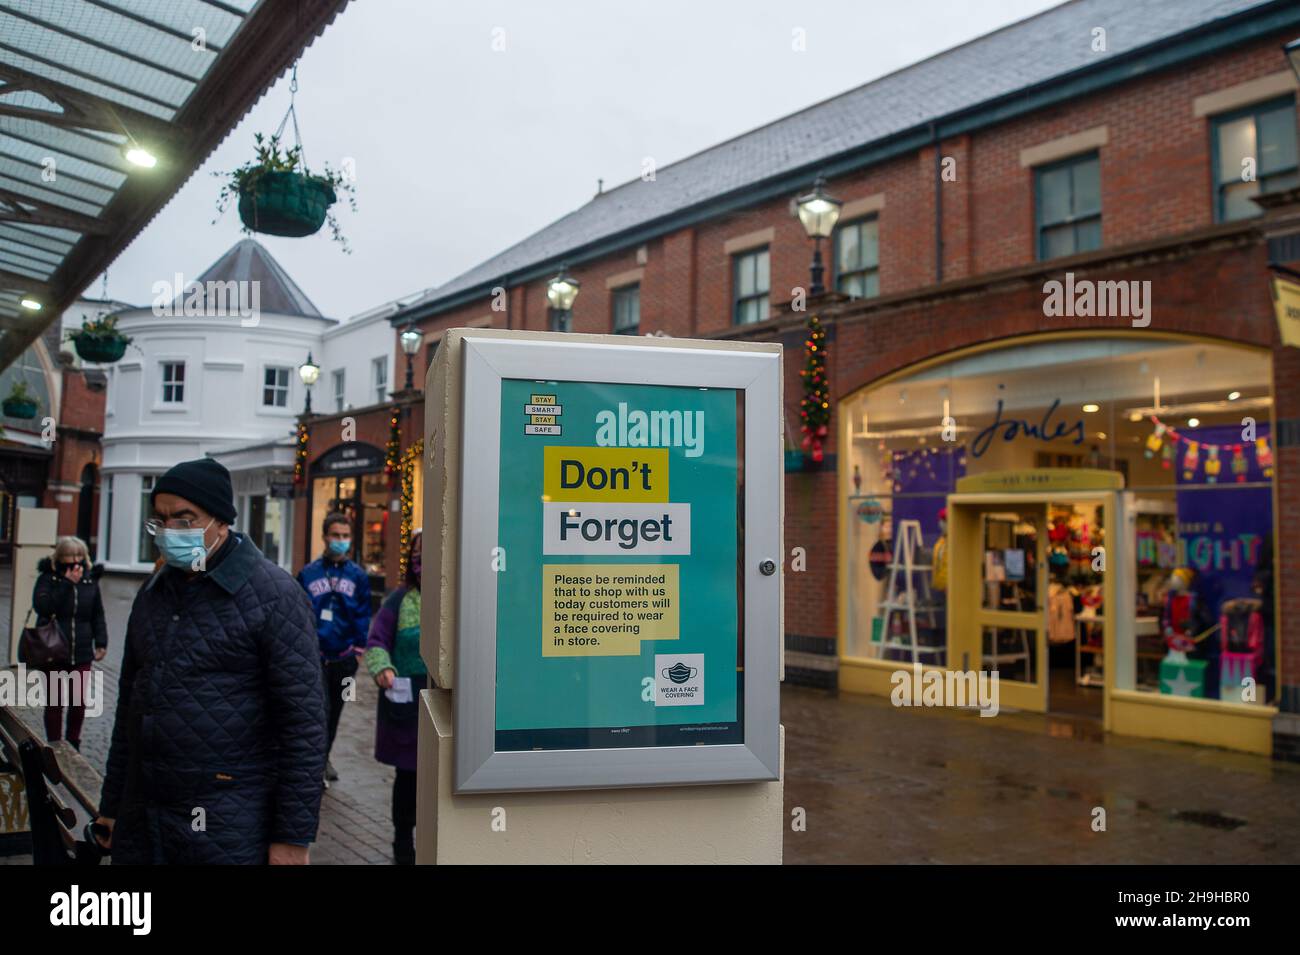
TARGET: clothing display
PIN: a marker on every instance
(1060, 614)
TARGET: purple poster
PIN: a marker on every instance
(919, 473)
(1222, 527)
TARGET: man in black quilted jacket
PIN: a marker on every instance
(218, 749)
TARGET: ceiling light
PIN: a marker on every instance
(1193, 422)
(31, 303)
(1090, 408)
(1135, 416)
(1234, 395)
(1102, 435)
(137, 155)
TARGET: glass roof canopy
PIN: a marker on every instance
(82, 81)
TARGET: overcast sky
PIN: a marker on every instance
(461, 149)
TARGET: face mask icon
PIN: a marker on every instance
(679, 672)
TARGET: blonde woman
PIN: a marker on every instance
(67, 591)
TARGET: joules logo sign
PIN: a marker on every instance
(1084, 298)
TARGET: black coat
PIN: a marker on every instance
(220, 716)
(77, 608)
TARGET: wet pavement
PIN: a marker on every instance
(884, 785)
(887, 785)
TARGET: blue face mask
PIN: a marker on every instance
(340, 548)
(182, 549)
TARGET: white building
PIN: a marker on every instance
(214, 371)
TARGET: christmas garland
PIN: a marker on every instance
(410, 461)
(393, 451)
(300, 455)
(815, 408)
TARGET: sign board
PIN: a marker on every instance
(616, 626)
(1286, 305)
(1042, 479)
(351, 457)
(281, 485)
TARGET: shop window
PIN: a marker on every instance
(338, 381)
(560, 319)
(275, 388)
(265, 524)
(1254, 153)
(1068, 206)
(1185, 425)
(173, 382)
(857, 259)
(379, 379)
(751, 281)
(627, 310)
(145, 551)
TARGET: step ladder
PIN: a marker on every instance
(903, 601)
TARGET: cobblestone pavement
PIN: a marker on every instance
(883, 785)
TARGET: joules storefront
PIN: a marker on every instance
(1087, 505)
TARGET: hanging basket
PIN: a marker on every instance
(101, 349)
(286, 203)
(794, 460)
(19, 408)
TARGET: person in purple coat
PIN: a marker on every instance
(393, 658)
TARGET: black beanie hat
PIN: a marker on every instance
(204, 482)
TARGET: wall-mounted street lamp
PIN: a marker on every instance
(1292, 51)
(410, 339)
(818, 211)
(562, 290)
(309, 372)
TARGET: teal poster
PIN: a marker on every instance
(618, 602)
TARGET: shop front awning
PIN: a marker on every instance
(85, 84)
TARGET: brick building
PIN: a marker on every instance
(53, 460)
(1031, 427)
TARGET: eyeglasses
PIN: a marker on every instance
(68, 565)
(153, 525)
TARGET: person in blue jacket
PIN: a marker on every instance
(339, 589)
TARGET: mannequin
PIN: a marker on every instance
(939, 578)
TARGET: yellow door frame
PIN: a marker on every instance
(966, 616)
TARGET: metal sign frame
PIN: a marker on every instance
(479, 767)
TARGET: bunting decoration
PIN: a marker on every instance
(1206, 456)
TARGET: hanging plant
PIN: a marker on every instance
(278, 196)
(98, 340)
(20, 403)
(276, 192)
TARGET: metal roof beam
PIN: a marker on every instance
(19, 281)
(55, 64)
(81, 109)
(12, 210)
